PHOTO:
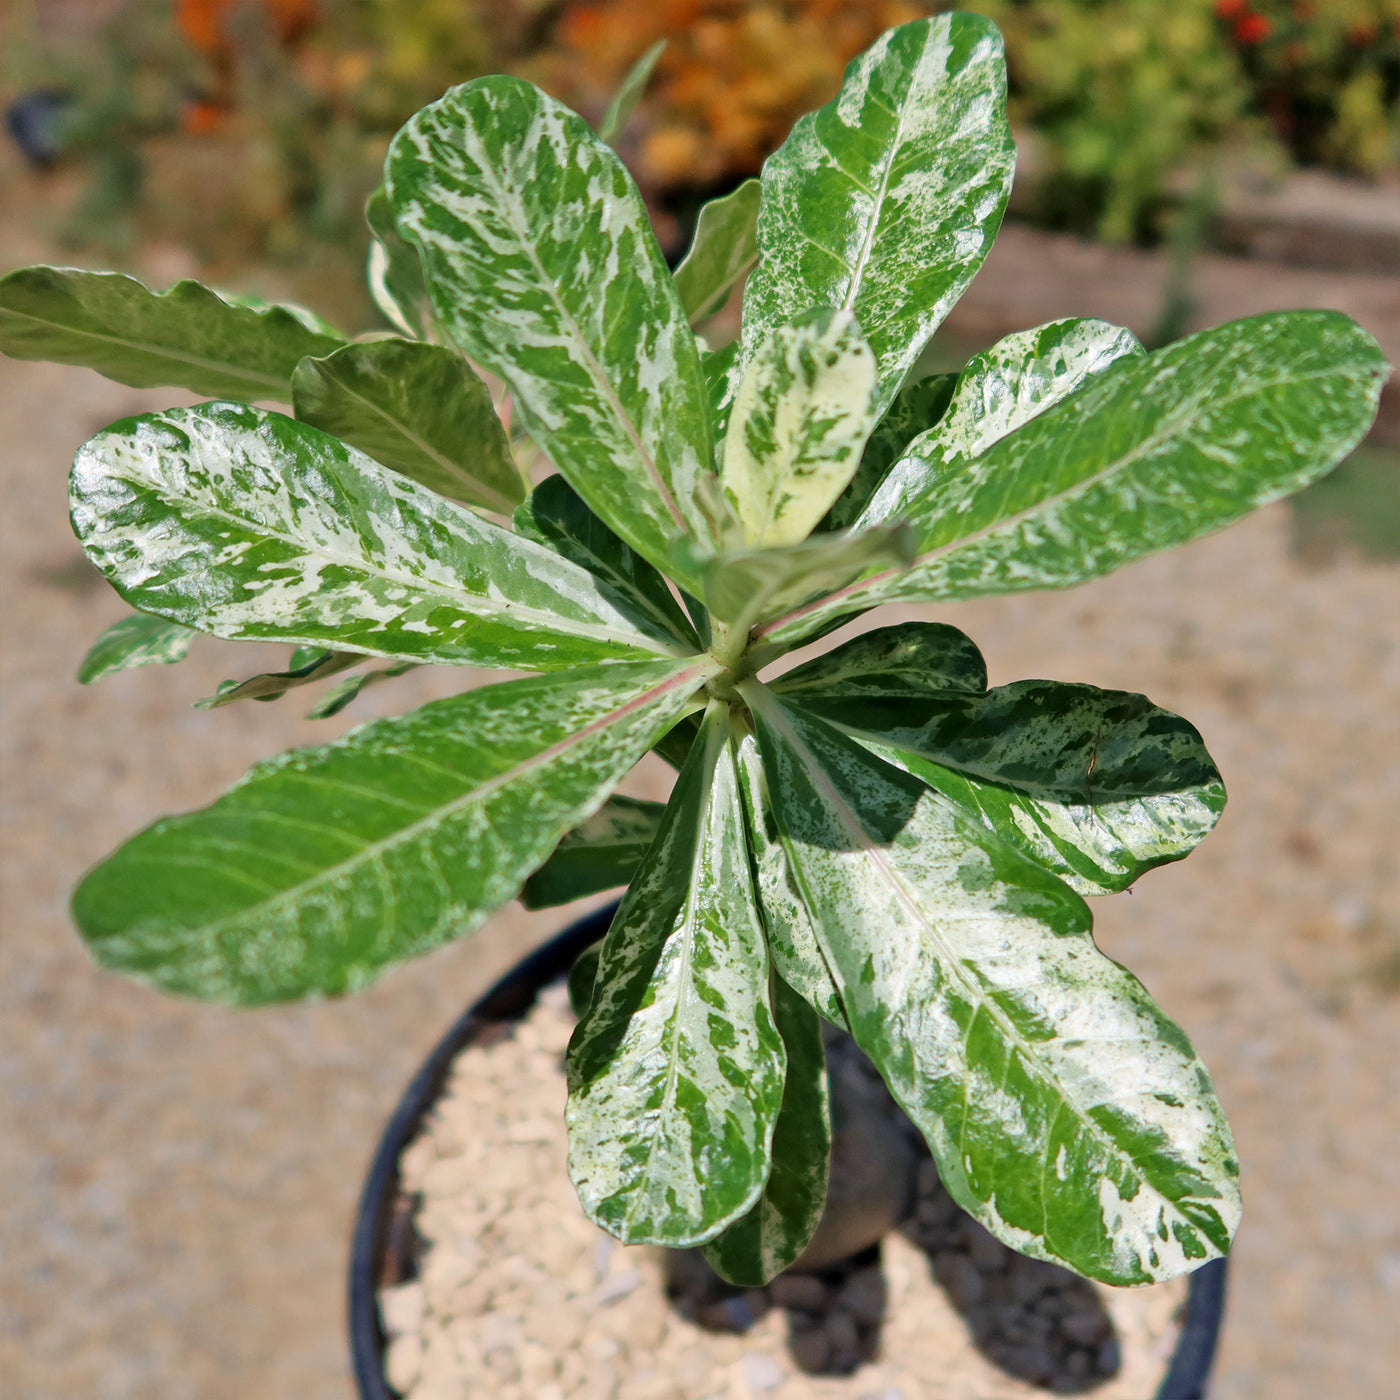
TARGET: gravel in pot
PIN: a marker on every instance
(476, 1274)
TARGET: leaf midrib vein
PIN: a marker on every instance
(160, 352)
(434, 818)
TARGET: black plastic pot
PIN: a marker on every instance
(381, 1231)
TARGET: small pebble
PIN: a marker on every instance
(762, 1372)
(809, 1350)
(799, 1291)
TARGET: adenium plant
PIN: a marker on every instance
(873, 837)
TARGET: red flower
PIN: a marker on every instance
(1252, 29)
(1230, 9)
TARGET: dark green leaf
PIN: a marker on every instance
(582, 976)
(1097, 786)
(418, 409)
(138, 640)
(256, 527)
(326, 865)
(188, 336)
(556, 517)
(908, 661)
(602, 854)
(916, 408)
(676, 1070)
(761, 1244)
(1063, 1109)
(543, 267)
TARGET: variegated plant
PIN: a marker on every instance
(873, 837)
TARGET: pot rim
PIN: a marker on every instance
(508, 1000)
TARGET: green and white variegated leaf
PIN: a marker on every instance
(628, 94)
(997, 392)
(676, 1071)
(906, 661)
(1153, 451)
(742, 589)
(137, 640)
(1063, 1109)
(722, 253)
(885, 201)
(418, 409)
(556, 517)
(760, 1245)
(916, 408)
(543, 267)
(256, 527)
(188, 336)
(722, 370)
(792, 937)
(270, 685)
(326, 865)
(395, 275)
(346, 692)
(602, 854)
(805, 406)
(1097, 786)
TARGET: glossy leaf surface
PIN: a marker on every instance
(395, 274)
(761, 1244)
(326, 865)
(1064, 1110)
(885, 201)
(904, 662)
(543, 267)
(602, 854)
(1097, 786)
(556, 517)
(187, 336)
(803, 411)
(418, 409)
(676, 1072)
(1151, 452)
(137, 640)
(253, 526)
(721, 254)
(997, 392)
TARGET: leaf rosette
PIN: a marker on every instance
(874, 837)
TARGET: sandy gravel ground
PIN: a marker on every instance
(177, 1181)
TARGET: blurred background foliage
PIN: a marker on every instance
(255, 128)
